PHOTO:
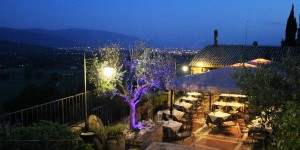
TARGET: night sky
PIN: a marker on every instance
(182, 21)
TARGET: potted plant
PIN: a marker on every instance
(115, 138)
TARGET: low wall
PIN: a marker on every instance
(156, 135)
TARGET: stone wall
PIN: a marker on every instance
(156, 135)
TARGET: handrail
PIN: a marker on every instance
(69, 110)
(42, 104)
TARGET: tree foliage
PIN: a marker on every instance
(269, 88)
(291, 29)
(288, 128)
(108, 57)
(135, 75)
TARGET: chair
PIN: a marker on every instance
(165, 117)
(242, 127)
(184, 133)
(229, 124)
(186, 119)
(259, 137)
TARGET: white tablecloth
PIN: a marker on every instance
(256, 124)
(214, 115)
(233, 105)
(232, 95)
(184, 104)
(174, 125)
(176, 113)
(194, 94)
(189, 98)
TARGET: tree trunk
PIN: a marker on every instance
(132, 117)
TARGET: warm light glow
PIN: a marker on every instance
(185, 68)
(108, 71)
(200, 64)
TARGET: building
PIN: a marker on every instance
(218, 56)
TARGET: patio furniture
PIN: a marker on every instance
(216, 118)
(183, 106)
(233, 105)
(172, 127)
(194, 94)
(259, 137)
(184, 132)
(257, 127)
(242, 126)
(190, 99)
(176, 114)
(229, 124)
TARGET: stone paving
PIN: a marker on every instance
(212, 137)
(206, 137)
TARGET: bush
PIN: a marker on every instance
(115, 132)
(41, 135)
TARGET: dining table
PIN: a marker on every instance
(256, 126)
(176, 113)
(184, 105)
(217, 118)
(173, 126)
(233, 105)
(194, 94)
(190, 99)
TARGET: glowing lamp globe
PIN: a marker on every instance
(185, 68)
(108, 71)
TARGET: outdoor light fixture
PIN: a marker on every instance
(185, 68)
(200, 64)
(108, 71)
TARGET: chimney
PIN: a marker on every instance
(216, 38)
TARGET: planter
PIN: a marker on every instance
(116, 144)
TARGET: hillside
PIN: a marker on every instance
(65, 37)
(9, 47)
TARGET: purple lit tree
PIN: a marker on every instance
(133, 76)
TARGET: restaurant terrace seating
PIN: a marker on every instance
(242, 127)
(259, 137)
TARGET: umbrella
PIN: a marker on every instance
(215, 81)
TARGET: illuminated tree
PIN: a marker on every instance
(274, 95)
(134, 76)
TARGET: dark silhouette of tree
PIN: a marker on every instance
(291, 29)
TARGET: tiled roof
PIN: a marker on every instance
(224, 55)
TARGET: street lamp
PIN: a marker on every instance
(85, 97)
(185, 68)
(107, 72)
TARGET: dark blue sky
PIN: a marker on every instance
(190, 22)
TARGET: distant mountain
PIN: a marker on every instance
(65, 37)
(12, 47)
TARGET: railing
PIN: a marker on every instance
(40, 144)
(69, 110)
(112, 112)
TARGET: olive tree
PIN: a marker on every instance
(133, 76)
(274, 91)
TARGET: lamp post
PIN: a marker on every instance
(108, 72)
(84, 85)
